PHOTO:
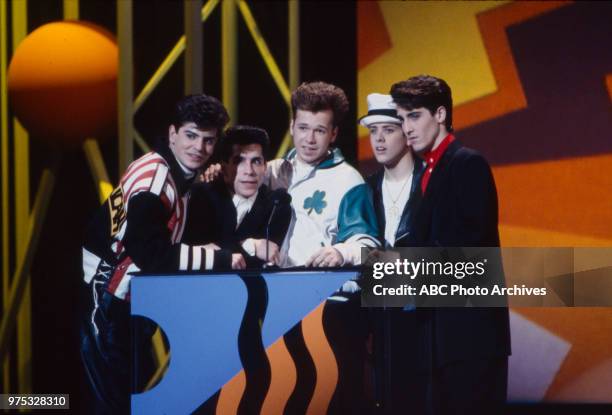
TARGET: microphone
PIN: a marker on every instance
(278, 197)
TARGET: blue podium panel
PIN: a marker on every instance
(201, 317)
(292, 295)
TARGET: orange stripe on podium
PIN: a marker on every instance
(231, 394)
(283, 378)
(324, 361)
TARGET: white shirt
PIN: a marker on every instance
(243, 206)
(395, 196)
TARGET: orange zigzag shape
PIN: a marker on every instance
(509, 96)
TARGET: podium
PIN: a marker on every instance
(235, 342)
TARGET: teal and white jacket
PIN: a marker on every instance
(331, 204)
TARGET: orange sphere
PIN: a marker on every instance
(62, 82)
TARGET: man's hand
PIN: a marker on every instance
(326, 257)
(212, 246)
(238, 261)
(211, 173)
(273, 251)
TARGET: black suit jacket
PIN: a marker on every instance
(403, 229)
(459, 208)
(212, 218)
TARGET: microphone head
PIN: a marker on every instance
(280, 196)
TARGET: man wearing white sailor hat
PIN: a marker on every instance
(396, 183)
(396, 194)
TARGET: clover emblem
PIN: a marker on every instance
(315, 202)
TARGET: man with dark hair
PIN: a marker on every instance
(239, 212)
(396, 194)
(139, 228)
(462, 353)
(333, 214)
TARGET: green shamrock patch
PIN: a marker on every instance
(315, 202)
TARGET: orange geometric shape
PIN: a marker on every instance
(231, 394)
(372, 36)
(551, 195)
(609, 85)
(364, 148)
(324, 361)
(509, 96)
(592, 386)
(587, 330)
(283, 378)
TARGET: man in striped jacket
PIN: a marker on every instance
(139, 228)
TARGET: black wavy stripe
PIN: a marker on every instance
(345, 327)
(250, 346)
(209, 407)
(306, 372)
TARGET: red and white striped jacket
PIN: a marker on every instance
(146, 214)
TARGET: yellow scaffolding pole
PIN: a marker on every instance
(71, 9)
(194, 44)
(167, 63)
(24, 261)
(141, 142)
(265, 53)
(294, 66)
(4, 363)
(125, 85)
(22, 216)
(97, 168)
(229, 58)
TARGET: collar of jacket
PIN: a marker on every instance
(333, 158)
(176, 171)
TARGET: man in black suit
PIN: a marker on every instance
(462, 353)
(234, 212)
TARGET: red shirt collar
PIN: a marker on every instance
(432, 157)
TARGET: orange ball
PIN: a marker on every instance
(62, 82)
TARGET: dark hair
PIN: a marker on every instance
(320, 96)
(203, 110)
(425, 91)
(243, 135)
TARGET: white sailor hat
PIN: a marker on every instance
(381, 108)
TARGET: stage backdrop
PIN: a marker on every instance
(532, 87)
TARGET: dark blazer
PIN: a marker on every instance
(403, 230)
(459, 208)
(212, 217)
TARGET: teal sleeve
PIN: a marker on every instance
(356, 215)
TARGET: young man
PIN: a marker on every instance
(462, 353)
(396, 193)
(395, 186)
(239, 212)
(139, 228)
(333, 215)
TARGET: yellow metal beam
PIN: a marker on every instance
(97, 167)
(294, 65)
(21, 156)
(141, 142)
(194, 47)
(172, 57)
(71, 9)
(265, 53)
(125, 85)
(229, 58)
(294, 43)
(4, 363)
(21, 276)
